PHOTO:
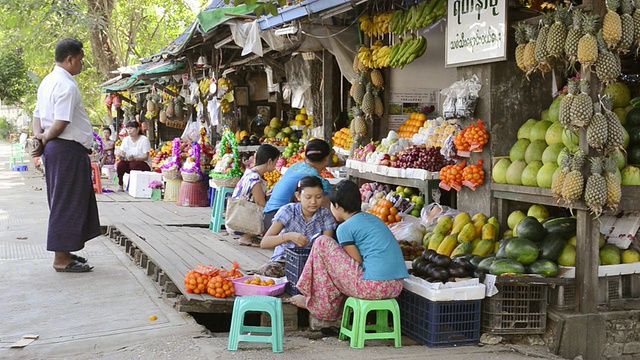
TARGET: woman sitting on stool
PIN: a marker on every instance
(133, 153)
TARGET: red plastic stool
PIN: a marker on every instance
(97, 183)
(193, 194)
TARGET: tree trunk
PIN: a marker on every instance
(103, 56)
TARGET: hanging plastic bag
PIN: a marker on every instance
(467, 97)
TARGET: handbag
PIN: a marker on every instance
(244, 216)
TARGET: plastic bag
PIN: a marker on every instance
(467, 97)
(431, 213)
(272, 269)
(449, 104)
(406, 230)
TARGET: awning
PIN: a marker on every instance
(306, 8)
(210, 19)
(144, 71)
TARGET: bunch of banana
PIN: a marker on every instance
(225, 106)
(381, 57)
(418, 16)
(225, 83)
(366, 25)
(203, 85)
(382, 24)
(365, 56)
(166, 97)
(408, 50)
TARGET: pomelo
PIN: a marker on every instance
(620, 158)
(539, 130)
(545, 175)
(610, 255)
(525, 129)
(621, 113)
(514, 172)
(554, 134)
(544, 116)
(550, 154)
(554, 109)
(514, 219)
(499, 172)
(630, 256)
(619, 93)
(538, 211)
(530, 173)
(518, 149)
(534, 151)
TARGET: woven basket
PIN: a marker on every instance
(191, 177)
(226, 182)
(171, 174)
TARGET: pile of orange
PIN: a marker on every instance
(412, 125)
(220, 287)
(342, 139)
(195, 282)
(452, 174)
(272, 178)
(259, 282)
(473, 138)
(385, 211)
(474, 174)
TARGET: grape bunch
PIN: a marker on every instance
(419, 157)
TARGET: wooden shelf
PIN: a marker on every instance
(415, 183)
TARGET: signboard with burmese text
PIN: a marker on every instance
(476, 32)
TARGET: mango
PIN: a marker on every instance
(467, 234)
(460, 221)
(443, 226)
(489, 232)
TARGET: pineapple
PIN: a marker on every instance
(611, 25)
(378, 108)
(564, 115)
(521, 40)
(557, 33)
(376, 78)
(588, 45)
(367, 101)
(613, 183)
(574, 181)
(573, 36)
(581, 107)
(542, 56)
(615, 138)
(597, 132)
(558, 180)
(359, 91)
(530, 62)
(626, 21)
(608, 65)
(636, 23)
(595, 191)
(357, 127)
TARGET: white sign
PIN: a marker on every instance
(476, 32)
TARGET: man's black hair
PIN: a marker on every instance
(346, 194)
(67, 47)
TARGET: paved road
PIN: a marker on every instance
(106, 313)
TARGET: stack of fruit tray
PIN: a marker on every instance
(295, 259)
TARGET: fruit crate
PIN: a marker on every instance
(610, 288)
(516, 309)
(439, 323)
(295, 258)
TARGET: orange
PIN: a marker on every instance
(384, 212)
(393, 211)
(391, 218)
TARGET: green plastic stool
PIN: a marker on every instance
(217, 212)
(357, 330)
(16, 157)
(273, 334)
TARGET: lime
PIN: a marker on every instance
(420, 200)
(408, 192)
(400, 190)
(415, 212)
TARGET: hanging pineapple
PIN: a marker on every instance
(627, 26)
(367, 101)
(608, 64)
(377, 79)
(521, 39)
(611, 25)
(597, 132)
(573, 36)
(378, 107)
(178, 109)
(169, 108)
(588, 45)
(636, 24)
(359, 91)
(615, 138)
(573, 186)
(557, 33)
(564, 114)
(542, 55)
(530, 62)
(357, 127)
(595, 191)
(558, 180)
(581, 107)
(613, 183)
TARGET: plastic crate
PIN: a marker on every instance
(516, 309)
(610, 288)
(439, 323)
(291, 288)
(563, 297)
(295, 259)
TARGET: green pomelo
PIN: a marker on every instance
(570, 139)
(281, 135)
(620, 158)
(530, 174)
(545, 175)
(272, 133)
(514, 219)
(544, 116)
(538, 211)
(568, 256)
(619, 93)
(539, 130)
(550, 154)
(610, 255)
(625, 143)
(554, 134)
(514, 172)
(554, 109)
(525, 129)
(518, 149)
(499, 172)
(630, 176)
(288, 130)
(621, 113)
(534, 151)
(630, 256)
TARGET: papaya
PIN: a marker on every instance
(460, 221)
(435, 241)
(447, 245)
(467, 234)
(478, 225)
(478, 217)
(475, 242)
(462, 249)
(425, 240)
(443, 226)
(489, 232)
(494, 221)
(484, 248)
(496, 246)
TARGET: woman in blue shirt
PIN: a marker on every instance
(315, 161)
(365, 263)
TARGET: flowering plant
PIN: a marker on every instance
(174, 162)
(98, 145)
(189, 167)
(156, 185)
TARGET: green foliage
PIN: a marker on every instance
(264, 8)
(13, 77)
(6, 128)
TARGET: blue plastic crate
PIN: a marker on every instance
(295, 259)
(291, 288)
(439, 323)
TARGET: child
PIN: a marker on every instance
(252, 185)
(297, 223)
(108, 154)
(365, 263)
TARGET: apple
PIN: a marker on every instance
(393, 158)
(385, 162)
(386, 157)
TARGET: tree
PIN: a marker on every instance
(265, 7)
(13, 77)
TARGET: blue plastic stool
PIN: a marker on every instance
(273, 334)
(357, 330)
(217, 212)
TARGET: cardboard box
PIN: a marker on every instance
(139, 183)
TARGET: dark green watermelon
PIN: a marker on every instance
(565, 226)
(633, 155)
(633, 117)
(552, 246)
(546, 268)
(530, 228)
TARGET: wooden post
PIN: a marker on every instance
(328, 96)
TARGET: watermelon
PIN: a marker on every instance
(633, 155)
(633, 117)
(546, 268)
(552, 246)
(634, 134)
(564, 226)
(500, 254)
(530, 228)
(522, 250)
(506, 266)
(485, 264)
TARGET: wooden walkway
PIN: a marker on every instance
(168, 241)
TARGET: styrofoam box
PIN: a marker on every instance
(470, 289)
(603, 270)
(139, 183)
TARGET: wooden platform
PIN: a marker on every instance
(168, 241)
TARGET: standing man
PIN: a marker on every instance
(61, 123)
